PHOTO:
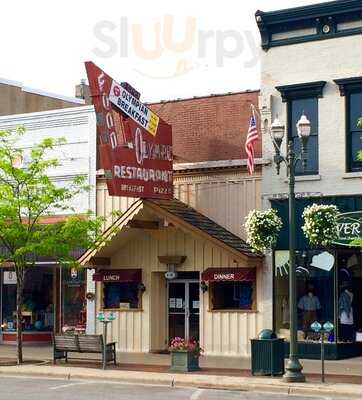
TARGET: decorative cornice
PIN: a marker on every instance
(349, 85)
(301, 90)
(219, 164)
(323, 18)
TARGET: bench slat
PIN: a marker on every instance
(91, 343)
(66, 343)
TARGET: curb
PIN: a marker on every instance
(350, 391)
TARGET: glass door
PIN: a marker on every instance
(176, 309)
(194, 310)
(183, 309)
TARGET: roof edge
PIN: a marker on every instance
(203, 97)
(40, 92)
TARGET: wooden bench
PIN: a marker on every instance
(64, 344)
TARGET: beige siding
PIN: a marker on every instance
(107, 204)
(225, 197)
(145, 330)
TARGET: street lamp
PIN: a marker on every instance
(293, 368)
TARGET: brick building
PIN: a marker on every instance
(209, 128)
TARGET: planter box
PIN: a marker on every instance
(184, 361)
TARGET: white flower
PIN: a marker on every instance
(320, 224)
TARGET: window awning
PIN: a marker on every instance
(118, 275)
(228, 274)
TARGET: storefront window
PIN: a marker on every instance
(38, 309)
(231, 288)
(315, 289)
(349, 304)
(74, 303)
(232, 295)
(121, 295)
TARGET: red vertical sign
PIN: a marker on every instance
(134, 144)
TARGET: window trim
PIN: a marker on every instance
(348, 86)
(301, 91)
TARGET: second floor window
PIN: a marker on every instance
(354, 132)
(351, 88)
(309, 107)
(302, 98)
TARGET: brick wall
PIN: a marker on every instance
(209, 128)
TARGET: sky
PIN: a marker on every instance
(165, 49)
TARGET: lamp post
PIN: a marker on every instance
(326, 328)
(105, 319)
(294, 368)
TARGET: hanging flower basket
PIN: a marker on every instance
(262, 229)
(320, 224)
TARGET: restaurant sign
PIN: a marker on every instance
(134, 144)
(224, 277)
(349, 227)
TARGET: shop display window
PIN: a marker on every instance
(38, 309)
(349, 304)
(315, 292)
(124, 295)
(73, 298)
(232, 295)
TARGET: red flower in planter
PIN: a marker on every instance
(180, 344)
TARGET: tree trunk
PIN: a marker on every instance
(19, 318)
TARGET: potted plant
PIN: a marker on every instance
(185, 355)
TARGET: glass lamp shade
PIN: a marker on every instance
(277, 130)
(100, 316)
(303, 127)
(316, 326)
(328, 326)
(111, 317)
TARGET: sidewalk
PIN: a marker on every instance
(206, 381)
(349, 367)
(154, 369)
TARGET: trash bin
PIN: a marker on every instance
(267, 354)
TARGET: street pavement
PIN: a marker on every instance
(17, 388)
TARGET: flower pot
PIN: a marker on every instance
(184, 361)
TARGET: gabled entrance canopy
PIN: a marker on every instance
(151, 215)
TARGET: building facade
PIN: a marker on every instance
(181, 267)
(15, 98)
(310, 64)
(53, 297)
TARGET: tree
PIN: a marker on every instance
(27, 195)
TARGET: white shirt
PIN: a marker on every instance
(344, 318)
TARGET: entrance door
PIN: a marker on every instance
(183, 309)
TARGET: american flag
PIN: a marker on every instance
(250, 140)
